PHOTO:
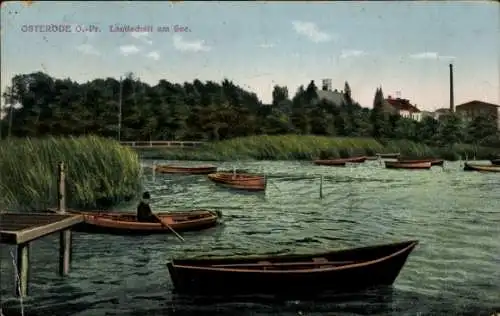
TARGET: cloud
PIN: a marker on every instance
(431, 55)
(352, 53)
(87, 49)
(311, 31)
(189, 46)
(153, 55)
(129, 50)
(266, 45)
(142, 36)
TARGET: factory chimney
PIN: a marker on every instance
(452, 105)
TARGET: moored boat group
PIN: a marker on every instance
(399, 163)
(409, 164)
(297, 274)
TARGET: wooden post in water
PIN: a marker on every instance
(64, 251)
(321, 187)
(61, 193)
(64, 235)
(23, 269)
(154, 169)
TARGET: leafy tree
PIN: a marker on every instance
(451, 130)
(379, 117)
(210, 111)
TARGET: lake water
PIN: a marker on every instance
(455, 270)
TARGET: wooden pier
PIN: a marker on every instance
(162, 144)
(20, 229)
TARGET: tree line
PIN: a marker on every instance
(39, 105)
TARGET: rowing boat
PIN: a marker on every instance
(339, 162)
(434, 162)
(481, 168)
(240, 181)
(389, 155)
(495, 162)
(338, 270)
(205, 169)
(127, 224)
(409, 166)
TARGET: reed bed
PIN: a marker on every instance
(308, 147)
(100, 172)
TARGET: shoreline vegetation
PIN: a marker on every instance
(309, 147)
(312, 123)
(100, 172)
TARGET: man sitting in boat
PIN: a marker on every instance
(144, 213)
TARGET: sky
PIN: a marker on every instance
(404, 47)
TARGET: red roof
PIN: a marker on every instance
(402, 105)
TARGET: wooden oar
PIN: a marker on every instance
(168, 226)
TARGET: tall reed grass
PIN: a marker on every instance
(100, 172)
(307, 147)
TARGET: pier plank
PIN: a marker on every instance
(20, 228)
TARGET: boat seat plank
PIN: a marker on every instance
(267, 263)
(320, 260)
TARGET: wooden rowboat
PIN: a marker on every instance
(205, 169)
(339, 270)
(240, 181)
(434, 162)
(411, 166)
(389, 156)
(339, 162)
(495, 162)
(482, 168)
(126, 223)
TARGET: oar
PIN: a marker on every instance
(169, 227)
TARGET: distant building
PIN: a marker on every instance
(327, 94)
(425, 114)
(472, 109)
(403, 107)
(439, 113)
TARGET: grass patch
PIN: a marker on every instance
(299, 147)
(100, 172)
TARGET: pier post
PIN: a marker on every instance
(61, 207)
(64, 235)
(64, 251)
(154, 169)
(321, 187)
(22, 269)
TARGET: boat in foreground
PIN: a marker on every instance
(434, 162)
(240, 181)
(204, 169)
(410, 166)
(339, 162)
(481, 168)
(126, 223)
(389, 155)
(338, 270)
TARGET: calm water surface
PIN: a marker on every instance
(454, 271)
